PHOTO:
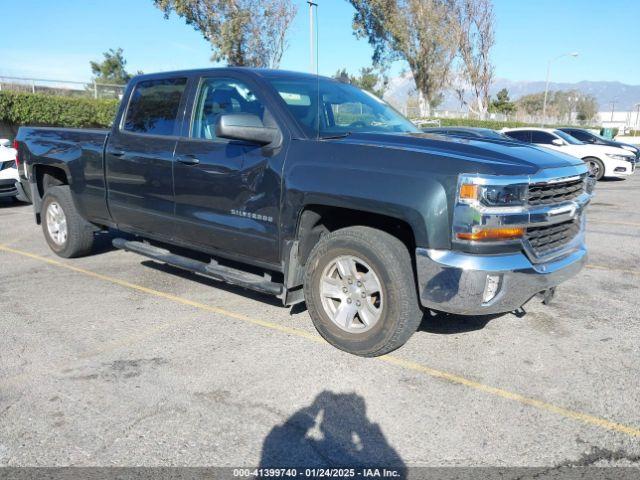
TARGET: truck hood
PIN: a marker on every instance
(491, 151)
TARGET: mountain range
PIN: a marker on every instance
(625, 96)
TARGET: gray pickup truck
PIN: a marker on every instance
(313, 190)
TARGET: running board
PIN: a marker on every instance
(213, 270)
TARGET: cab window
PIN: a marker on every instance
(153, 107)
(219, 96)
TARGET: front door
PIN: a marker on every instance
(139, 157)
(227, 192)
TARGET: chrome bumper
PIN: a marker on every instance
(455, 282)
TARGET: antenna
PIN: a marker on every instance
(312, 37)
(313, 50)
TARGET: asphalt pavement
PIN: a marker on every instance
(113, 359)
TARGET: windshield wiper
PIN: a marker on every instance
(337, 135)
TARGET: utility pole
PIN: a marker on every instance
(637, 105)
(312, 36)
(613, 106)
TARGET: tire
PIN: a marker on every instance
(59, 214)
(595, 164)
(392, 315)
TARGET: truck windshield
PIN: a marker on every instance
(338, 109)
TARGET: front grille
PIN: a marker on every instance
(544, 240)
(550, 193)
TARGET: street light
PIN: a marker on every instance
(546, 88)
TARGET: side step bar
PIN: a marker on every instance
(212, 270)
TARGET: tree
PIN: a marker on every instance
(249, 33)
(421, 32)
(532, 103)
(111, 69)
(586, 108)
(502, 104)
(476, 38)
(370, 79)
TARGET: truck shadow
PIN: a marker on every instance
(334, 431)
(448, 324)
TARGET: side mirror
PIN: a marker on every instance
(557, 142)
(5, 142)
(245, 127)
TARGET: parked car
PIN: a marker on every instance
(352, 210)
(468, 132)
(9, 179)
(585, 136)
(603, 160)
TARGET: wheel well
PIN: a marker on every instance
(317, 220)
(47, 177)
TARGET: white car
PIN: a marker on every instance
(603, 160)
(8, 171)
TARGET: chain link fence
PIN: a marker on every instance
(67, 88)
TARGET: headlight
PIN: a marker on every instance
(481, 204)
(493, 195)
(622, 158)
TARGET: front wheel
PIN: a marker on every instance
(67, 233)
(596, 167)
(361, 292)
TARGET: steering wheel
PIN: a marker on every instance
(359, 123)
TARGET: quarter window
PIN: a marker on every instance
(153, 108)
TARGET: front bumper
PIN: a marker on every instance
(618, 168)
(455, 282)
(8, 188)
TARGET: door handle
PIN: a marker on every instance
(116, 153)
(188, 160)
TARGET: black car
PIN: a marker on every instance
(314, 191)
(586, 136)
(468, 132)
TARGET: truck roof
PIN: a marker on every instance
(258, 72)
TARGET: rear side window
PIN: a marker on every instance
(153, 108)
(542, 137)
(522, 135)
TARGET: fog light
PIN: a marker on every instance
(491, 287)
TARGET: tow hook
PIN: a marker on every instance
(547, 295)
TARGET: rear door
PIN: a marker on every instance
(139, 156)
(227, 192)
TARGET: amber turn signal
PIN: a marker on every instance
(468, 191)
(493, 234)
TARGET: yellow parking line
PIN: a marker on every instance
(392, 360)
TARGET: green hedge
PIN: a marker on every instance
(492, 124)
(54, 111)
(470, 122)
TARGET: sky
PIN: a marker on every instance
(56, 39)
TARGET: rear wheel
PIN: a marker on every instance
(596, 167)
(360, 291)
(67, 233)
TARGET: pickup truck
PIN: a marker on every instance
(314, 191)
